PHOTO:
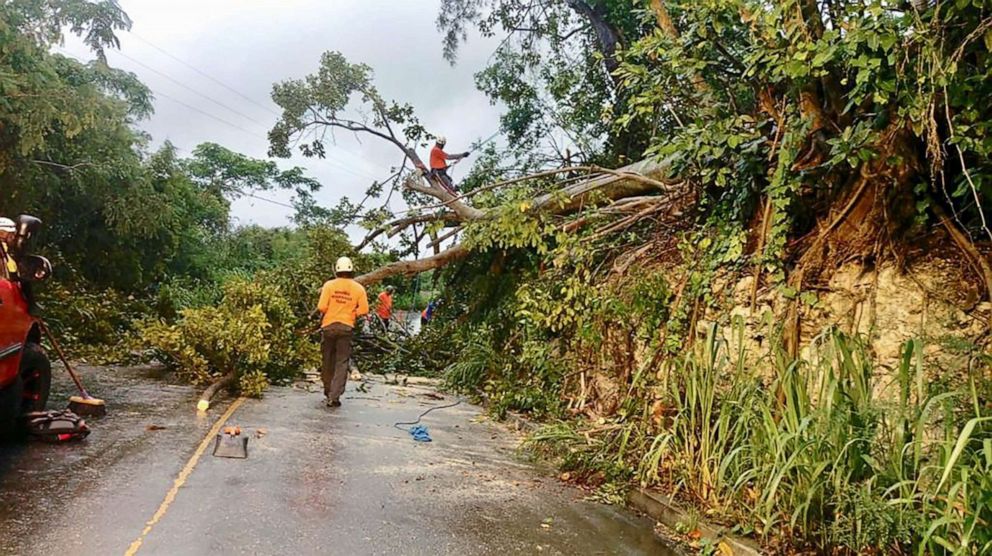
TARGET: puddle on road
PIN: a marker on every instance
(43, 484)
(39, 482)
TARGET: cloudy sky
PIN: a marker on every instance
(212, 63)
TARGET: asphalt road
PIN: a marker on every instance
(317, 481)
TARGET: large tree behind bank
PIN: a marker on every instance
(847, 130)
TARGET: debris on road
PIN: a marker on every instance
(56, 426)
(230, 444)
(419, 433)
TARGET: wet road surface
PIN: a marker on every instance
(318, 481)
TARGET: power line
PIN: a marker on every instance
(244, 193)
(204, 74)
(207, 114)
(239, 128)
(327, 158)
(192, 90)
(333, 162)
(341, 165)
(274, 202)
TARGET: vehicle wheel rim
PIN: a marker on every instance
(32, 388)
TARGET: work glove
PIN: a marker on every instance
(465, 154)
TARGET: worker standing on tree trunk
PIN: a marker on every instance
(342, 300)
(384, 308)
(439, 164)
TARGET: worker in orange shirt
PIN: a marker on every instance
(342, 300)
(384, 306)
(439, 164)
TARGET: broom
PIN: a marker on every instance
(84, 404)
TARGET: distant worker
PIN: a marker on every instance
(384, 308)
(342, 300)
(8, 232)
(428, 313)
(439, 163)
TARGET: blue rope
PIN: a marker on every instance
(419, 432)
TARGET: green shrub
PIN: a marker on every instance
(175, 295)
(92, 324)
(251, 332)
(209, 342)
(253, 383)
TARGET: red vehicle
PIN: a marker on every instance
(25, 371)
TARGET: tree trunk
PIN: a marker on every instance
(606, 33)
(409, 268)
(584, 194)
(667, 26)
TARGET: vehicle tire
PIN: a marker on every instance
(10, 409)
(36, 378)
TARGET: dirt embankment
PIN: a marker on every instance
(937, 301)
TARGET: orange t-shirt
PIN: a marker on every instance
(385, 307)
(342, 300)
(439, 158)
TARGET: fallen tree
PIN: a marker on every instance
(636, 180)
(321, 103)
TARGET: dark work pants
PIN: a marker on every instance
(335, 348)
(441, 175)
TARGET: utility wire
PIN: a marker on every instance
(273, 201)
(328, 158)
(333, 162)
(191, 89)
(340, 165)
(204, 74)
(242, 192)
(207, 114)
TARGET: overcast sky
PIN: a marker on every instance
(247, 45)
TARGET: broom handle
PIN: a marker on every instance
(65, 361)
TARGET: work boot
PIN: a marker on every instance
(333, 403)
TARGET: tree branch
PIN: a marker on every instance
(636, 180)
(414, 267)
(399, 224)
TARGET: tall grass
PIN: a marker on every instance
(808, 451)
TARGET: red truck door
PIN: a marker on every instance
(14, 325)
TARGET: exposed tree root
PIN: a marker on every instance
(766, 216)
(970, 251)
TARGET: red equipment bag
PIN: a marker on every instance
(56, 426)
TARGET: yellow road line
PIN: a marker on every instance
(170, 496)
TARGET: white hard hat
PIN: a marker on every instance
(441, 140)
(344, 264)
(7, 225)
